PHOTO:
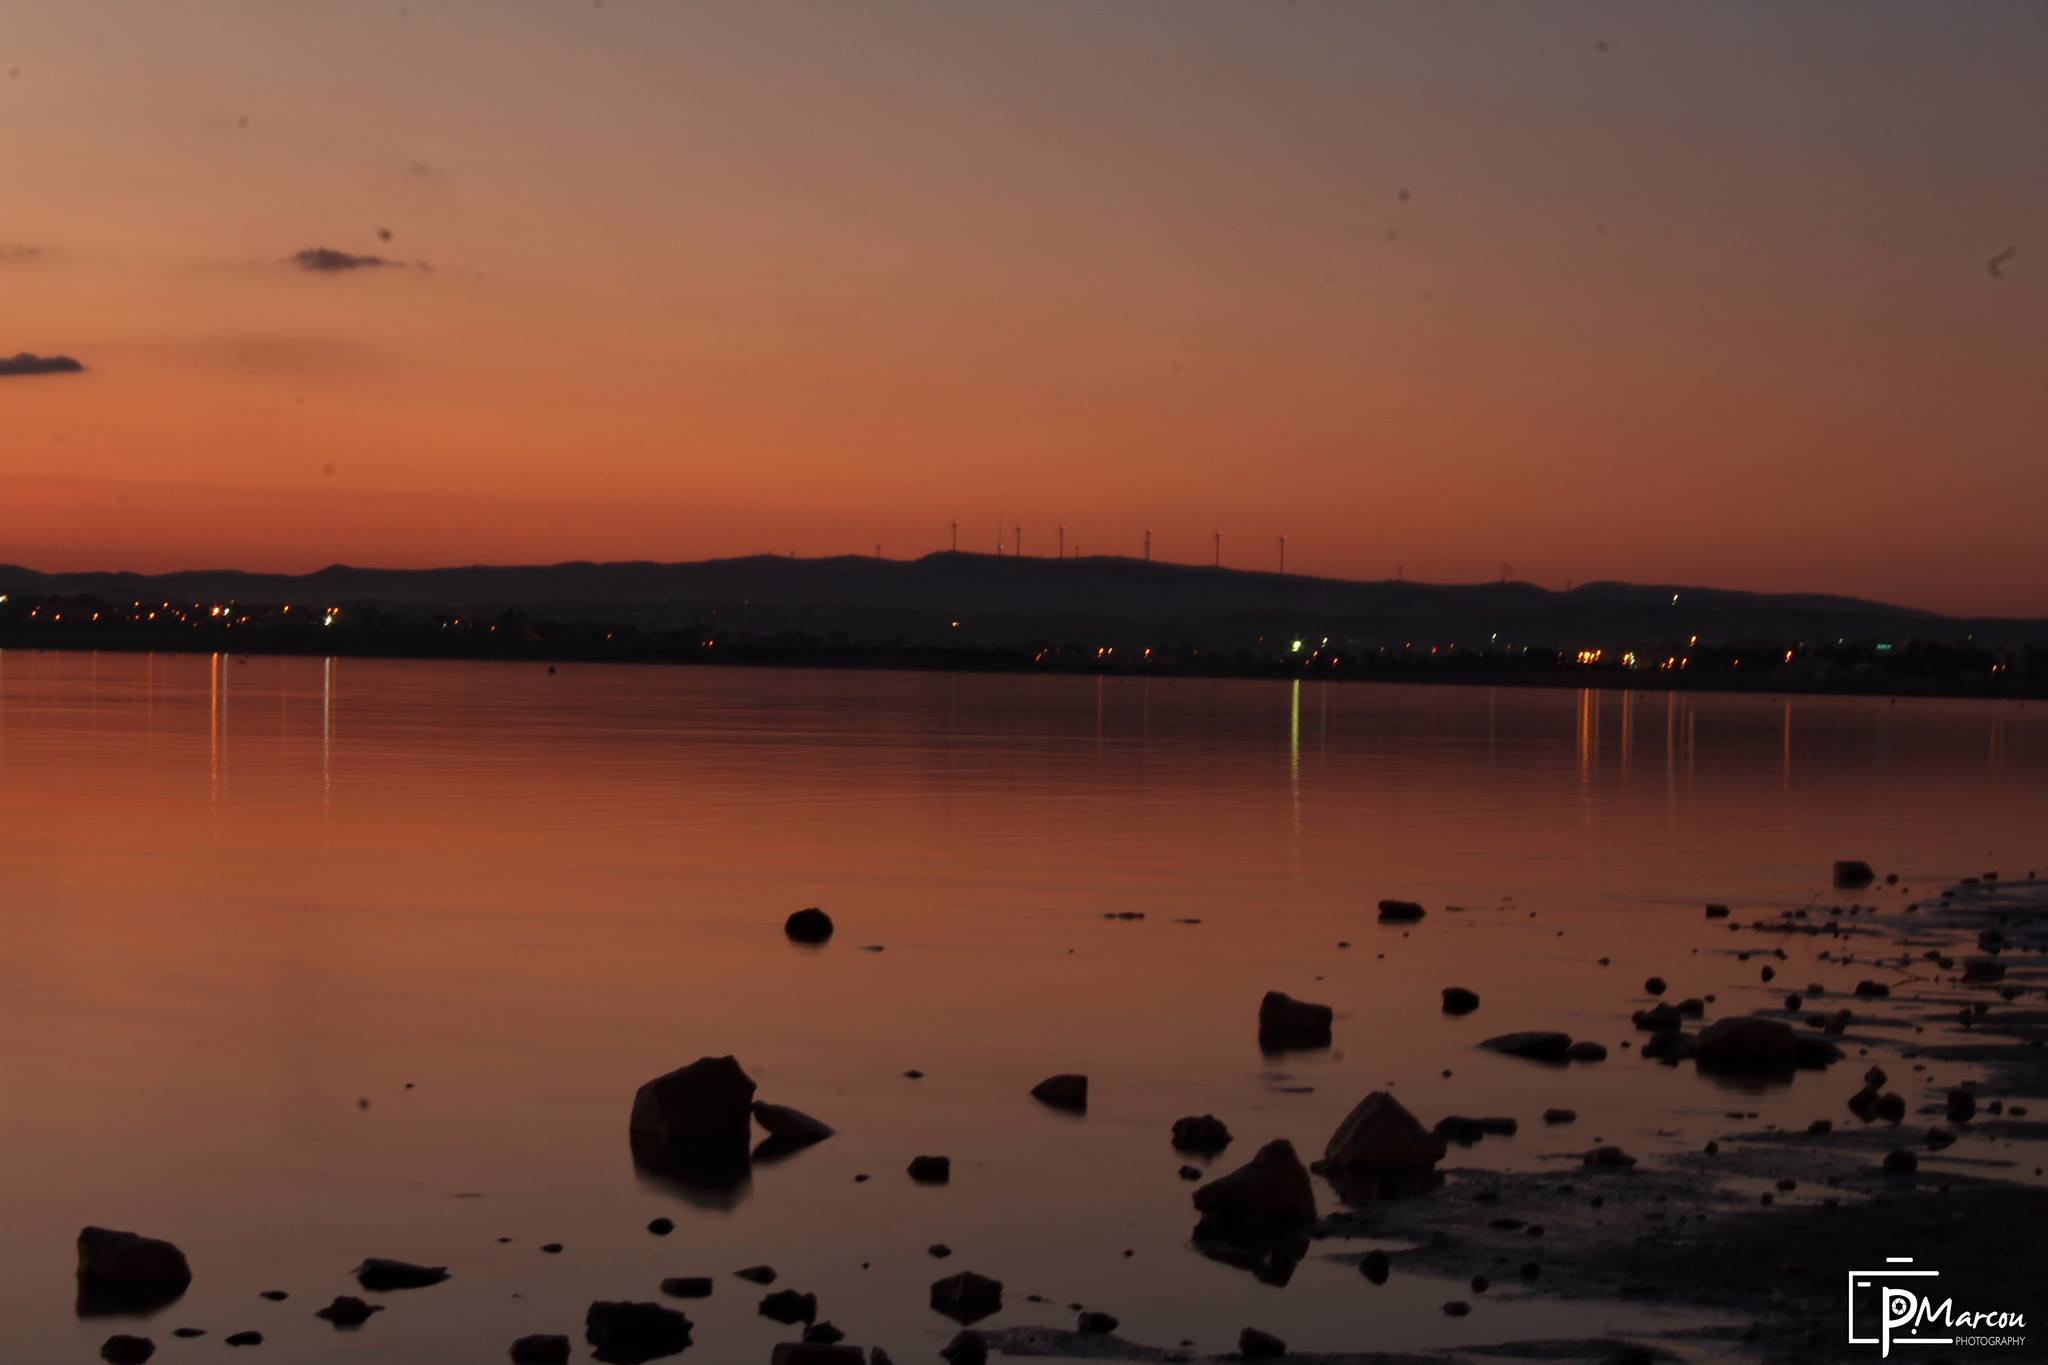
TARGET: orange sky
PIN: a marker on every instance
(1709, 305)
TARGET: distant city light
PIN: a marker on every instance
(1297, 646)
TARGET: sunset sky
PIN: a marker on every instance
(1748, 294)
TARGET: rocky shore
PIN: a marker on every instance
(1920, 1039)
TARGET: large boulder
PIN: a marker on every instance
(1536, 1045)
(124, 1271)
(1746, 1046)
(623, 1333)
(1379, 1133)
(1268, 1196)
(696, 1118)
(1286, 1022)
(967, 1297)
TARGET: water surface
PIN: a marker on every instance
(248, 902)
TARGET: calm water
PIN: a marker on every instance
(242, 895)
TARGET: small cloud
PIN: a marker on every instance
(1997, 264)
(13, 251)
(25, 363)
(326, 260)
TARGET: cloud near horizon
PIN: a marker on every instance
(26, 363)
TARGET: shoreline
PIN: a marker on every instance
(1009, 664)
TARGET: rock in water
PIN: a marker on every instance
(1285, 1022)
(127, 1350)
(1901, 1162)
(244, 1339)
(1853, 872)
(1586, 1050)
(1379, 1133)
(348, 1311)
(790, 1128)
(967, 1297)
(1962, 1105)
(540, 1350)
(1097, 1324)
(1609, 1158)
(1202, 1134)
(630, 1333)
(808, 926)
(123, 1271)
(687, 1286)
(1536, 1045)
(1067, 1092)
(815, 1353)
(695, 1121)
(1268, 1196)
(1746, 1046)
(931, 1170)
(1458, 1000)
(1253, 1344)
(1400, 912)
(379, 1275)
(786, 1306)
(968, 1348)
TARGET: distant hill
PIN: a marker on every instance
(1009, 601)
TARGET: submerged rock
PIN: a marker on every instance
(622, 1333)
(1097, 1324)
(1586, 1050)
(124, 1271)
(1853, 872)
(348, 1311)
(126, 1350)
(1287, 1022)
(1065, 1091)
(1202, 1134)
(967, 1297)
(1536, 1045)
(1400, 912)
(1379, 1132)
(1609, 1158)
(1267, 1196)
(810, 925)
(790, 1128)
(380, 1275)
(687, 1286)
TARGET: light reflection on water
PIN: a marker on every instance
(244, 893)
